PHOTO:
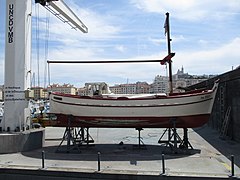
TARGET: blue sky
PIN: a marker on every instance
(205, 36)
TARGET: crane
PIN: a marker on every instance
(18, 55)
(59, 9)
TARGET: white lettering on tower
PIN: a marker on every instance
(10, 23)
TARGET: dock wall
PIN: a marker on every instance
(22, 174)
(228, 96)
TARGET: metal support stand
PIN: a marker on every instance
(82, 136)
(140, 141)
(75, 137)
(185, 143)
(173, 138)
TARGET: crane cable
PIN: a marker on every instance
(38, 46)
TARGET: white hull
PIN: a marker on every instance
(149, 111)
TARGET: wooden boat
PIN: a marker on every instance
(187, 110)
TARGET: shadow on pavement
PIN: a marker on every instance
(225, 147)
(110, 152)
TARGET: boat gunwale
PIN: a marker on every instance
(124, 98)
(132, 106)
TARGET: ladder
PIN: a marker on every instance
(222, 105)
(225, 123)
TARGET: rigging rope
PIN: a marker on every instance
(46, 48)
(27, 40)
(37, 43)
(49, 75)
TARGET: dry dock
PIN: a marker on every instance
(210, 158)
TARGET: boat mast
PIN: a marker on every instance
(167, 30)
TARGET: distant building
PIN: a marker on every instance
(94, 88)
(116, 89)
(124, 89)
(65, 88)
(160, 84)
(39, 93)
(81, 91)
(134, 88)
(182, 79)
(180, 83)
(142, 88)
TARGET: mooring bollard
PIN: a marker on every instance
(232, 165)
(163, 165)
(43, 158)
(99, 159)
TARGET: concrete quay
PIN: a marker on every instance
(121, 158)
(13, 142)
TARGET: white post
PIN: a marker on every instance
(17, 63)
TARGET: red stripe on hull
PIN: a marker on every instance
(131, 122)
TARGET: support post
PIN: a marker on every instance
(87, 136)
(99, 159)
(174, 135)
(232, 165)
(43, 159)
(185, 143)
(82, 134)
(140, 142)
(185, 137)
(69, 133)
(139, 138)
(163, 165)
(169, 133)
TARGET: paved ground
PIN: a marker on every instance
(210, 156)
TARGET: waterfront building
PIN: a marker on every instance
(39, 93)
(93, 88)
(160, 84)
(124, 89)
(116, 89)
(81, 91)
(182, 79)
(142, 88)
(65, 88)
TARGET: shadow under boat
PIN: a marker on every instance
(110, 152)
